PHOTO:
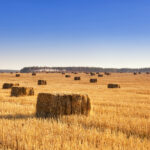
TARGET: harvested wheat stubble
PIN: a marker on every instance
(67, 76)
(33, 74)
(9, 85)
(53, 105)
(113, 86)
(42, 82)
(100, 75)
(17, 75)
(77, 78)
(22, 91)
(93, 80)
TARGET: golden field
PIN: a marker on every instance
(120, 118)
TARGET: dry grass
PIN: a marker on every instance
(120, 118)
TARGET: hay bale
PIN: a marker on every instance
(107, 73)
(17, 75)
(113, 86)
(63, 72)
(134, 73)
(147, 73)
(100, 75)
(92, 73)
(9, 85)
(33, 74)
(22, 91)
(77, 78)
(67, 76)
(53, 105)
(42, 82)
(93, 80)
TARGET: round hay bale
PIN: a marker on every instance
(100, 75)
(92, 73)
(22, 91)
(107, 73)
(33, 74)
(9, 85)
(42, 82)
(93, 80)
(134, 73)
(113, 85)
(77, 78)
(53, 105)
(17, 75)
(67, 76)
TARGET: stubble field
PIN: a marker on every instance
(120, 118)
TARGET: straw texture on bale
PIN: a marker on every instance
(17, 75)
(113, 86)
(22, 91)
(67, 76)
(53, 105)
(42, 82)
(9, 85)
(77, 78)
(93, 80)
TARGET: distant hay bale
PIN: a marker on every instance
(22, 91)
(100, 75)
(63, 72)
(77, 78)
(53, 105)
(92, 73)
(33, 74)
(147, 73)
(113, 86)
(107, 73)
(67, 76)
(93, 80)
(42, 82)
(9, 85)
(17, 75)
(135, 73)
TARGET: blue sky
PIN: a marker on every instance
(101, 33)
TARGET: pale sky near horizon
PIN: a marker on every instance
(106, 33)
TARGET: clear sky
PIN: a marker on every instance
(101, 33)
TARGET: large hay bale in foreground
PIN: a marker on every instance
(93, 80)
(53, 105)
(17, 75)
(22, 91)
(42, 82)
(113, 86)
(77, 78)
(9, 85)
